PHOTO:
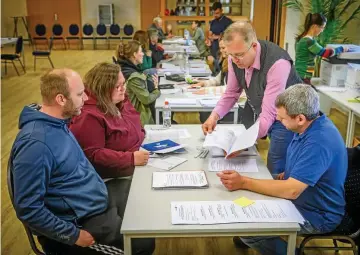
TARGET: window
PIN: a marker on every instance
(106, 14)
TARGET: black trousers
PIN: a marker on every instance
(105, 227)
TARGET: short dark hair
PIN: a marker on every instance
(216, 5)
(198, 23)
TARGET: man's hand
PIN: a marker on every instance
(210, 123)
(231, 179)
(141, 158)
(199, 84)
(280, 176)
(85, 239)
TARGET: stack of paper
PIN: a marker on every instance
(181, 179)
(181, 101)
(217, 212)
(166, 163)
(209, 102)
(161, 134)
(241, 165)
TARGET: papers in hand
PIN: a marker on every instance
(164, 146)
(252, 151)
(231, 142)
(181, 179)
(162, 134)
(241, 165)
(217, 212)
(167, 163)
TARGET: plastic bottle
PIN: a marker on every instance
(166, 115)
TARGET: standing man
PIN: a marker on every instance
(314, 177)
(217, 26)
(263, 70)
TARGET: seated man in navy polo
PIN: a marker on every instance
(315, 172)
(217, 26)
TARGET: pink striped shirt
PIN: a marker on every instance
(276, 79)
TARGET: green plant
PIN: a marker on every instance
(339, 14)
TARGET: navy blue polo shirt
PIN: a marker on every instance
(318, 158)
(218, 26)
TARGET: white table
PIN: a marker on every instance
(353, 109)
(159, 104)
(175, 48)
(147, 212)
(176, 40)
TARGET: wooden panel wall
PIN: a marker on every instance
(148, 11)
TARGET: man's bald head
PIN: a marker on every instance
(57, 81)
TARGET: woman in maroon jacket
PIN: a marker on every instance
(109, 129)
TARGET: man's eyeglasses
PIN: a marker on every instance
(240, 56)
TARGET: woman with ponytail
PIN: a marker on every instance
(307, 48)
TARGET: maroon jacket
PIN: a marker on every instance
(108, 141)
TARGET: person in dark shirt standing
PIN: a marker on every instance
(217, 26)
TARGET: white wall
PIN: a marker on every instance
(293, 21)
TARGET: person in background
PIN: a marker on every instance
(199, 38)
(169, 32)
(263, 70)
(221, 77)
(157, 25)
(307, 48)
(217, 26)
(113, 141)
(57, 192)
(314, 177)
(156, 48)
(142, 37)
(137, 82)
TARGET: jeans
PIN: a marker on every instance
(275, 245)
(280, 139)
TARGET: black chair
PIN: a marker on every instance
(115, 33)
(17, 56)
(114, 60)
(97, 249)
(101, 32)
(40, 31)
(349, 229)
(57, 30)
(43, 54)
(88, 31)
(74, 32)
(128, 31)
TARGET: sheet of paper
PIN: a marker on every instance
(252, 151)
(170, 91)
(243, 201)
(181, 101)
(328, 88)
(167, 163)
(222, 140)
(217, 212)
(162, 134)
(168, 65)
(209, 102)
(241, 165)
(180, 179)
(246, 139)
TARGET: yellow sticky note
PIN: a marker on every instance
(243, 201)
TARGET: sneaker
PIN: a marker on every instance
(238, 243)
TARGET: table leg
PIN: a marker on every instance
(236, 116)
(350, 129)
(157, 121)
(291, 244)
(127, 245)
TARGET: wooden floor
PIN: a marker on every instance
(19, 91)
